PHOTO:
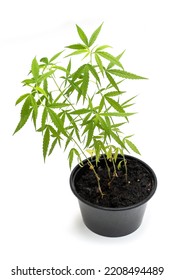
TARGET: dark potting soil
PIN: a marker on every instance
(121, 192)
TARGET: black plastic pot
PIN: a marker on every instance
(112, 222)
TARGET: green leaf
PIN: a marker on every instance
(57, 121)
(109, 152)
(85, 129)
(28, 81)
(45, 76)
(44, 117)
(77, 52)
(108, 122)
(87, 54)
(62, 115)
(115, 104)
(74, 86)
(58, 105)
(77, 134)
(113, 93)
(118, 140)
(124, 74)
(26, 106)
(41, 90)
(97, 148)
(112, 81)
(71, 120)
(76, 47)
(70, 157)
(85, 120)
(116, 154)
(104, 125)
(25, 113)
(102, 146)
(69, 139)
(35, 69)
(132, 146)
(101, 105)
(118, 58)
(35, 109)
(73, 152)
(55, 56)
(41, 129)
(45, 86)
(99, 63)
(111, 114)
(53, 146)
(69, 67)
(40, 100)
(94, 35)
(78, 72)
(59, 68)
(54, 132)
(46, 140)
(44, 60)
(116, 125)
(90, 151)
(102, 48)
(127, 101)
(90, 104)
(91, 128)
(94, 72)
(21, 98)
(22, 122)
(120, 164)
(85, 83)
(110, 58)
(80, 111)
(82, 35)
(128, 105)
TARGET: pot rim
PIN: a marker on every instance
(149, 169)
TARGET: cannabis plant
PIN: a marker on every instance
(74, 100)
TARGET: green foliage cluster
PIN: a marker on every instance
(76, 103)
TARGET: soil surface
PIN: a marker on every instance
(119, 192)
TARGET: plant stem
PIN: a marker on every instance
(90, 165)
(126, 168)
(107, 166)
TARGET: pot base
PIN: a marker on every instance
(112, 223)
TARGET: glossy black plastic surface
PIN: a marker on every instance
(112, 222)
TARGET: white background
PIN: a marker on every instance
(37, 226)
